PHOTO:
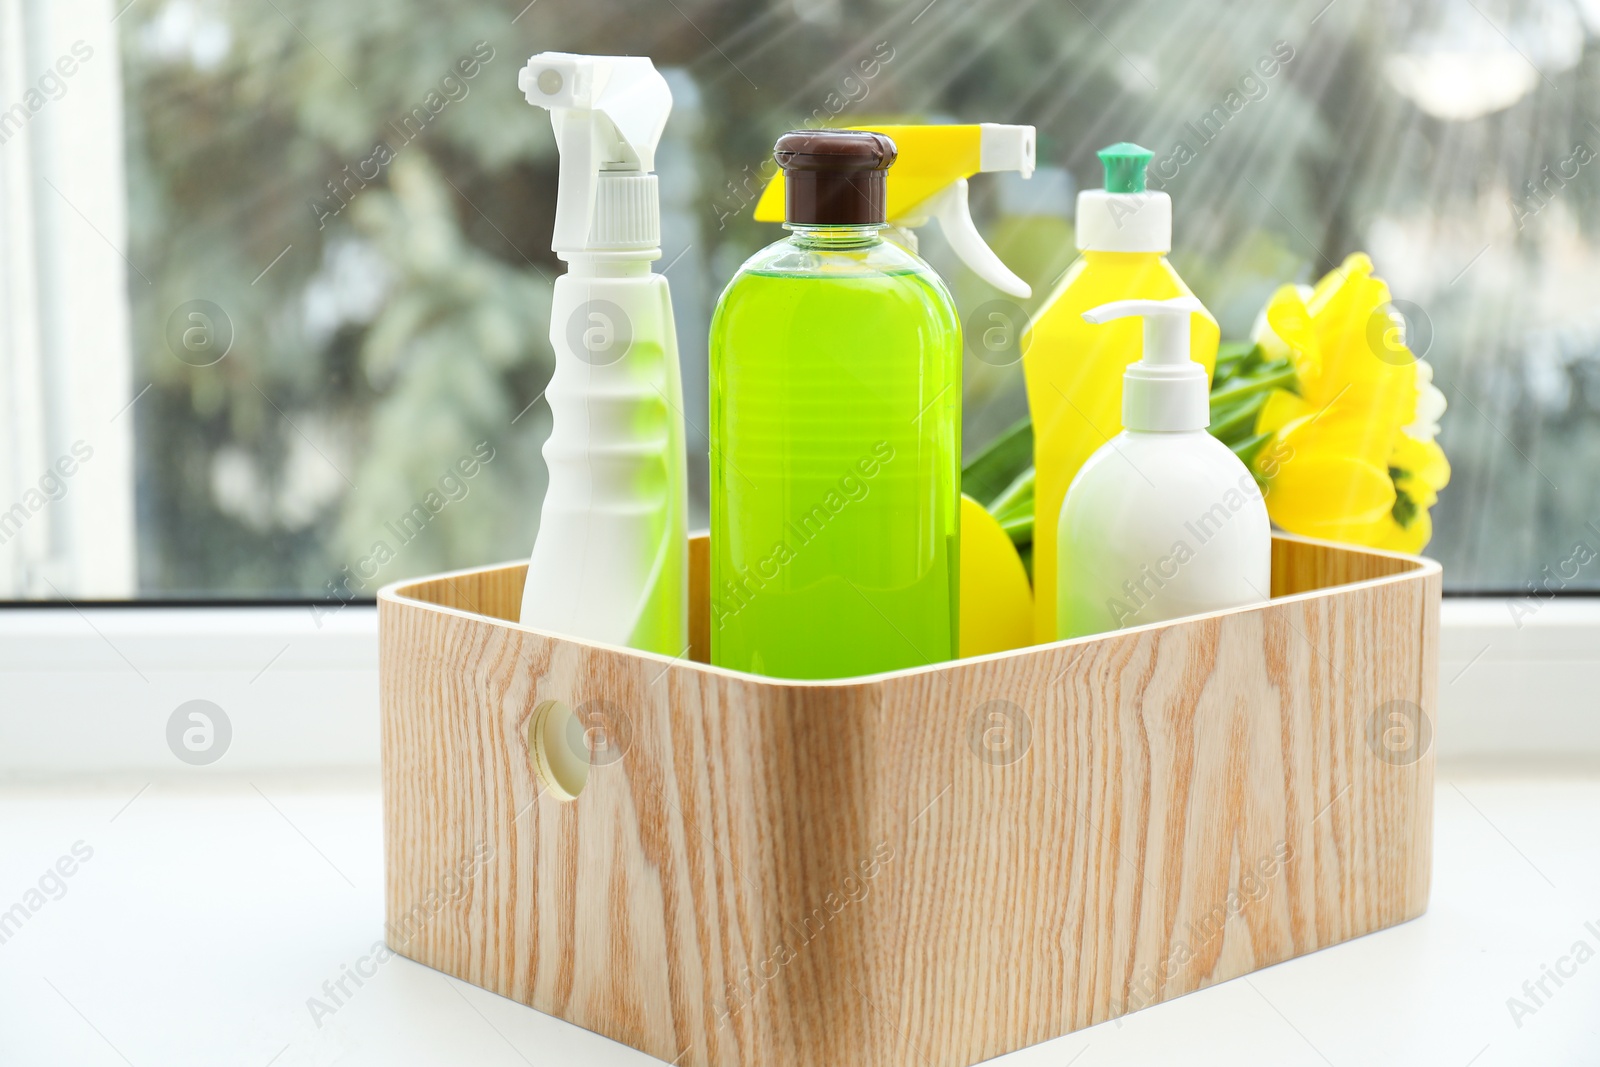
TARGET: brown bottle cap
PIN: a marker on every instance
(834, 177)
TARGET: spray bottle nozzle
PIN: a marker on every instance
(607, 113)
(1166, 390)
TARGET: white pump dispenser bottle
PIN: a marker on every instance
(1163, 520)
(610, 562)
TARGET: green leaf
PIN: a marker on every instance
(1278, 375)
(1020, 530)
(999, 465)
(1231, 423)
(1230, 355)
(1405, 509)
(1250, 447)
(1016, 498)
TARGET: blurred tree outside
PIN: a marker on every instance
(362, 192)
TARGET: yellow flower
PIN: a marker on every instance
(1352, 457)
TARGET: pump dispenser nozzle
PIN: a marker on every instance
(608, 113)
(929, 181)
(1166, 390)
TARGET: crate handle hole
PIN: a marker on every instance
(559, 750)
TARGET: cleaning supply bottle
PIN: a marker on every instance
(929, 181)
(1163, 520)
(610, 562)
(835, 435)
(1073, 370)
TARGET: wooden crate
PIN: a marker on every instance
(932, 866)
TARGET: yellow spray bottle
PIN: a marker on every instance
(929, 181)
(1073, 368)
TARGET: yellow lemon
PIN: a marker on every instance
(996, 599)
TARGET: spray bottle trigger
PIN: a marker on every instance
(607, 113)
(578, 179)
(949, 205)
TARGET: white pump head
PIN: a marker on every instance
(608, 113)
(1166, 390)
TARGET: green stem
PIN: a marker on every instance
(1240, 388)
(1019, 529)
(1020, 490)
(1227, 423)
(1247, 449)
(1231, 355)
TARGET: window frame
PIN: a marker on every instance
(66, 386)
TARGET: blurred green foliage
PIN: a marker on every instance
(377, 345)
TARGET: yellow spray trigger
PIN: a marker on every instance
(929, 180)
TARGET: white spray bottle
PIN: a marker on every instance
(1163, 520)
(610, 562)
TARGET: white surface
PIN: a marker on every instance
(1518, 679)
(301, 684)
(211, 911)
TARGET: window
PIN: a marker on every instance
(271, 270)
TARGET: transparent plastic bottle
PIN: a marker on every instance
(835, 440)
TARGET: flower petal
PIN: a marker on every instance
(1431, 404)
(1321, 494)
(1262, 333)
(1409, 539)
(1291, 323)
(1282, 407)
(1423, 460)
(1349, 427)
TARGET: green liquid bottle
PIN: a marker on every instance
(835, 443)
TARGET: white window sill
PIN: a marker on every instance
(211, 914)
(92, 690)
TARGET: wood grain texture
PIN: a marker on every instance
(934, 866)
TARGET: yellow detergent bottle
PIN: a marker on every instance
(1073, 368)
